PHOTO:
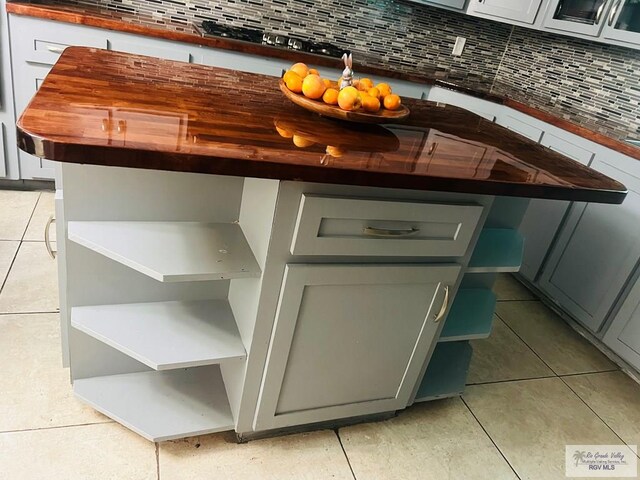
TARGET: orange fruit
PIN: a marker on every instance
(370, 104)
(293, 81)
(384, 89)
(374, 92)
(301, 69)
(336, 152)
(284, 133)
(327, 82)
(392, 102)
(313, 87)
(313, 71)
(330, 96)
(349, 99)
(366, 83)
(302, 142)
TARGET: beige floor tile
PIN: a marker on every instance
(507, 287)
(44, 209)
(104, 452)
(7, 252)
(615, 398)
(531, 422)
(15, 210)
(557, 344)
(435, 440)
(312, 456)
(32, 283)
(35, 391)
(503, 356)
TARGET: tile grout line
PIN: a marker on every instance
(31, 216)
(528, 346)
(13, 261)
(157, 460)
(56, 427)
(345, 454)
(543, 377)
(595, 413)
(490, 438)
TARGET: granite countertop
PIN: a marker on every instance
(116, 109)
(562, 116)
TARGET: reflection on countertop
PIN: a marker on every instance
(141, 112)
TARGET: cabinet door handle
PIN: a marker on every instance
(53, 49)
(614, 10)
(383, 232)
(445, 304)
(599, 13)
(432, 149)
(47, 241)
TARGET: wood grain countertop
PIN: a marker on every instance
(186, 33)
(109, 108)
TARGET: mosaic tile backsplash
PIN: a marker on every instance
(592, 84)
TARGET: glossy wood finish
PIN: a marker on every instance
(171, 30)
(333, 111)
(111, 108)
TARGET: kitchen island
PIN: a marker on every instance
(215, 276)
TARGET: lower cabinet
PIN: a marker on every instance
(350, 340)
(623, 335)
(597, 250)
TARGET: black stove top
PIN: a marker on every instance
(214, 29)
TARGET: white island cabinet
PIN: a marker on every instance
(623, 334)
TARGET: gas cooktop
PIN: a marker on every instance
(209, 28)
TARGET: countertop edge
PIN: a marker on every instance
(57, 14)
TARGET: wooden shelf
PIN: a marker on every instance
(171, 251)
(446, 374)
(497, 250)
(165, 335)
(162, 405)
(471, 315)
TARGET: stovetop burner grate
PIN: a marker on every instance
(215, 29)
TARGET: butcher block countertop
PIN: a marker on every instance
(107, 108)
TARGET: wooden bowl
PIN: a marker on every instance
(333, 111)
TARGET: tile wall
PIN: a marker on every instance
(593, 84)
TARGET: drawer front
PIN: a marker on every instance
(526, 130)
(38, 41)
(356, 227)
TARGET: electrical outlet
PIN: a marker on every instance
(458, 48)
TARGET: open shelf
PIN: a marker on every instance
(497, 250)
(165, 335)
(162, 405)
(471, 315)
(446, 374)
(171, 251)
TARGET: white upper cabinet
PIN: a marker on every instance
(585, 17)
(623, 22)
(524, 11)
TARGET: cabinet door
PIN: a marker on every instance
(623, 22)
(519, 10)
(543, 218)
(349, 340)
(597, 250)
(623, 335)
(151, 48)
(28, 78)
(3, 152)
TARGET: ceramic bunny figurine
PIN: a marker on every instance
(347, 74)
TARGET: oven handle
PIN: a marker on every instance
(614, 10)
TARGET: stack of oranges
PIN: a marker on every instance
(363, 94)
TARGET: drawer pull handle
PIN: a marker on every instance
(445, 304)
(383, 232)
(47, 241)
(53, 49)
